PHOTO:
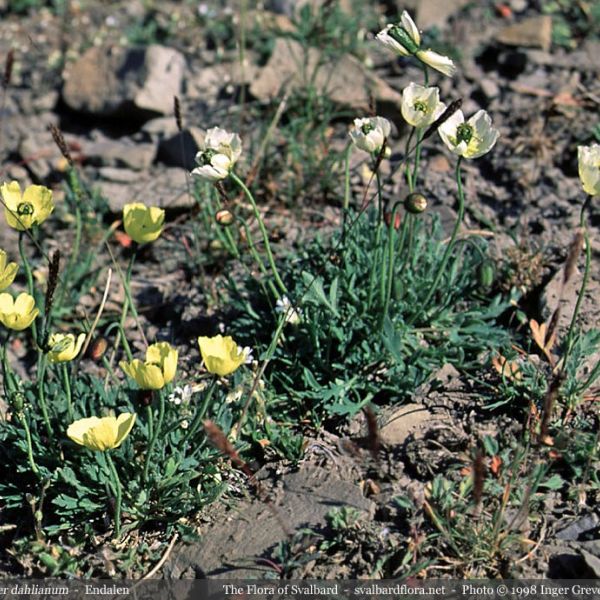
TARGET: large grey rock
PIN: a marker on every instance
(166, 188)
(117, 153)
(111, 81)
(344, 80)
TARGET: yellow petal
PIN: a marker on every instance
(79, 428)
(101, 436)
(125, 422)
(150, 377)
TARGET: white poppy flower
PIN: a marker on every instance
(405, 39)
(421, 106)
(589, 168)
(283, 306)
(369, 134)
(470, 139)
(221, 149)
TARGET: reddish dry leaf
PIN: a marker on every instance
(495, 465)
(123, 239)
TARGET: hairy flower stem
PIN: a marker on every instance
(118, 491)
(74, 184)
(67, 386)
(41, 373)
(449, 247)
(263, 231)
(154, 434)
(200, 414)
(30, 458)
(390, 266)
(29, 276)
(127, 304)
(10, 388)
(347, 192)
(584, 283)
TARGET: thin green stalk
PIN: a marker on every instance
(150, 421)
(374, 272)
(30, 458)
(154, 438)
(407, 150)
(347, 191)
(449, 247)
(203, 408)
(390, 265)
(127, 304)
(119, 492)
(41, 372)
(584, 283)
(417, 162)
(382, 271)
(67, 386)
(29, 276)
(263, 231)
(259, 262)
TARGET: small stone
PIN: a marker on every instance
(118, 175)
(160, 128)
(489, 88)
(435, 13)
(404, 422)
(46, 102)
(518, 6)
(439, 164)
(533, 32)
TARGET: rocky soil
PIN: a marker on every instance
(114, 101)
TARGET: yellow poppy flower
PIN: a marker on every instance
(23, 211)
(103, 433)
(64, 347)
(7, 271)
(158, 369)
(589, 168)
(143, 223)
(221, 355)
(17, 314)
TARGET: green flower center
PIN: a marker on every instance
(25, 208)
(464, 133)
(420, 106)
(366, 128)
(207, 155)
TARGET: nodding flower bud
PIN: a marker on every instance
(415, 203)
(144, 397)
(486, 274)
(224, 217)
(98, 348)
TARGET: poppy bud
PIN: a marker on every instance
(415, 203)
(97, 349)
(486, 274)
(17, 401)
(224, 217)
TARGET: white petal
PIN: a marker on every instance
(411, 28)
